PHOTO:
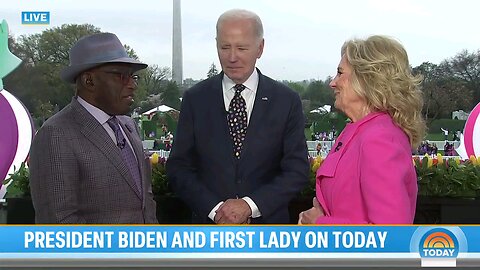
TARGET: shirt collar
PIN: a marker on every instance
(100, 115)
(251, 83)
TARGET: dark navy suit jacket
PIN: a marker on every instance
(272, 168)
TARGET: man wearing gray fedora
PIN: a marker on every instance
(87, 164)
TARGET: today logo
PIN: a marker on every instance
(439, 243)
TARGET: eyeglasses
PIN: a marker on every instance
(125, 76)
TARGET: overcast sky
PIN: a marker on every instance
(302, 37)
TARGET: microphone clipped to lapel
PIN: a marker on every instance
(339, 145)
(129, 128)
(265, 98)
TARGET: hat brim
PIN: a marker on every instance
(70, 73)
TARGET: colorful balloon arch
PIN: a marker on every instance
(16, 127)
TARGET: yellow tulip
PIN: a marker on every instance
(154, 158)
(457, 160)
(440, 159)
(473, 159)
(430, 163)
(315, 166)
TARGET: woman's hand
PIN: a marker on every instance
(311, 215)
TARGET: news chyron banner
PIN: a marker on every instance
(204, 245)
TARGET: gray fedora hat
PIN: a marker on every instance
(95, 50)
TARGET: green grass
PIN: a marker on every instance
(435, 137)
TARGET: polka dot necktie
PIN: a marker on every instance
(237, 120)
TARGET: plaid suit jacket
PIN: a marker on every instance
(77, 174)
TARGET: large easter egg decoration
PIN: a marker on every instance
(16, 128)
(470, 140)
(16, 133)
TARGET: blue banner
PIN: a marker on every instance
(422, 241)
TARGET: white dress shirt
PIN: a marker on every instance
(251, 85)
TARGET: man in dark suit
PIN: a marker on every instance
(87, 164)
(240, 152)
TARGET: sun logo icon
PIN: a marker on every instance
(438, 245)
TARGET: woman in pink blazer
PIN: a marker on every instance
(368, 176)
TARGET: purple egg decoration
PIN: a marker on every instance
(16, 126)
(16, 134)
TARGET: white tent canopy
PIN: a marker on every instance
(161, 108)
(322, 109)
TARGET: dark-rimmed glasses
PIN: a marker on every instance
(124, 76)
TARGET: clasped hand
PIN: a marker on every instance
(233, 211)
(311, 215)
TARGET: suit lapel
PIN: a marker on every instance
(95, 133)
(220, 115)
(263, 98)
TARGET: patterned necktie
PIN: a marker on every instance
(237, 120)
(127, 153)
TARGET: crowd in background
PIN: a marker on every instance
(431, 149)
(324, 136)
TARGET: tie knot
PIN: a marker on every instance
(113, 123)
(239, 88)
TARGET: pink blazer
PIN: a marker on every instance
(368, 176)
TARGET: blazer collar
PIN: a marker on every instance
(355, 126)
(251, 83)
(101, 116)
(264, 92)
(352, 128)
(95, 133)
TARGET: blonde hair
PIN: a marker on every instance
(382, 75)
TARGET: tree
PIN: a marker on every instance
(299, 88)
(212, 71)
(130, 51)
(44, 110)
(443, 92)
(52, 45)
(153, 81)
(44, 55)
(319, 93)
(466, 67)
(171, 95)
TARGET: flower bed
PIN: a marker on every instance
(451, 177)
(447, 190)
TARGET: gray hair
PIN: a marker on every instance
(236, 14)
